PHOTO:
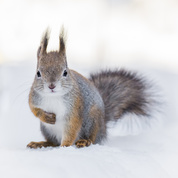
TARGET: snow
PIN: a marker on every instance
(149, 154)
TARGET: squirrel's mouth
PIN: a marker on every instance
(52, 91)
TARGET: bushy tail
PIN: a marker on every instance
(124, 93)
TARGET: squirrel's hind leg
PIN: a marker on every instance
(90, 136)
(41, 144)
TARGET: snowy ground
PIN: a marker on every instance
(152, 154)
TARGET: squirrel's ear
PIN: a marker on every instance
(44, 43)
(62, 41)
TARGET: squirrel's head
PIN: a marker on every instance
(52, 75)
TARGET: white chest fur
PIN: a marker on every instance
(56, 105)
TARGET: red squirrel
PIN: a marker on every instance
(75, 110)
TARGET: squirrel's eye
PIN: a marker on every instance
(38, 74)
(65, 73)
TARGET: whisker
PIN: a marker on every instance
(23, 84)
(18, 96)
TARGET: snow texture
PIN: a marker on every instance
(152, 153)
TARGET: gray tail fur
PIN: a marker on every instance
(123, 92)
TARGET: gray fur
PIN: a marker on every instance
(37, 99)
(90, 97)
(123, 92)
(48, 136)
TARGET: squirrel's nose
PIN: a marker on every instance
(51, 86)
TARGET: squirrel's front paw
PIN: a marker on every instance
(41, 144)
(50, 118)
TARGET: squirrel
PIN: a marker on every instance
(74, 110)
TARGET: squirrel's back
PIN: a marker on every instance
(89, 92)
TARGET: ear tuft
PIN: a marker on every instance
(44, 43)
(62, 40)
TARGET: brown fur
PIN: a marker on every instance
(95, 113)
(49, 118)
(74, 124)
